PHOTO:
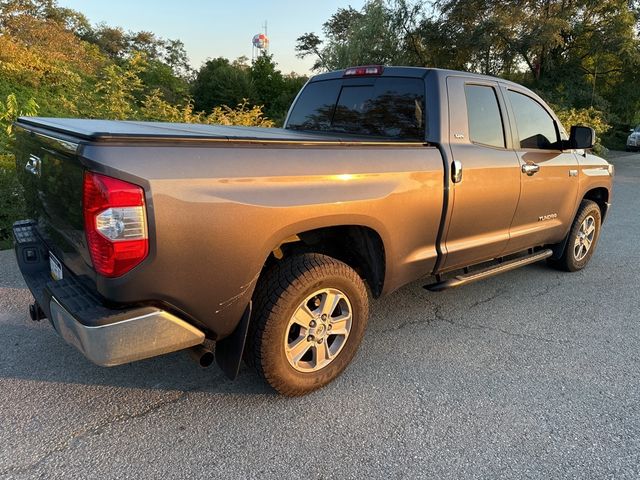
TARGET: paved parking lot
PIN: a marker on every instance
(532, 374)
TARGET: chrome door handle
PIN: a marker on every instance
(530, 168)
(456, 171)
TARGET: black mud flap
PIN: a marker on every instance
(229, 351)
(558, 248)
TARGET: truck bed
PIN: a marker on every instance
(111, 130)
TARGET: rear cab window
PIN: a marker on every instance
(385, 107)
(485, 120)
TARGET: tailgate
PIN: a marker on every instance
(52, 177)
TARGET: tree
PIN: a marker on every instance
(219, 82)
(381, 33)
(175, 56)
(268, 85)
(112, 41)
(159, 75)
(118, 87)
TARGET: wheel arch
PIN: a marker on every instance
(359, 246)
(600, 195)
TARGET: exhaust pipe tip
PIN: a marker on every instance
(35, 312)
(202, 356)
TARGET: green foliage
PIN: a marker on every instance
(242, 114)
(11, 199)
(156, 108)
(381, 33)
(221, 82)
(117, 89)
(9, 112)
(589, 117)
(11, 202)
(55, 63)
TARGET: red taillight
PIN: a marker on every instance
(115, 224)
(364, 70)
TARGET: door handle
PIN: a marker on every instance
(530, 168)
(456, 171)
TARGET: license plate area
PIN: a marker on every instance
(55, 266)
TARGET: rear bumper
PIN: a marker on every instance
(106, 336)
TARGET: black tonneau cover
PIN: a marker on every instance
(109, 130)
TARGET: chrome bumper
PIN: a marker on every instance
(105, 336)
(127, 340)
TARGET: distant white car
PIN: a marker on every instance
(633, 140)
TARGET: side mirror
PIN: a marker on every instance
(581, 138)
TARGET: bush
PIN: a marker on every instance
(11, 198)
(154, 107)
(11, 201)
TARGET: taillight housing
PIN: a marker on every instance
(115, 224)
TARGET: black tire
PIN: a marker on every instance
(279, 294)
(570, 260)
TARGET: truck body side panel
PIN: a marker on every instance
(251, 197)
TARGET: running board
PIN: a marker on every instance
(460, 280)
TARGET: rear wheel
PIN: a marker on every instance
(311, 314)
(582, 238)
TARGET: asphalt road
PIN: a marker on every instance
(532, 374)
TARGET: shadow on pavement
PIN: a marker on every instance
(36, 353)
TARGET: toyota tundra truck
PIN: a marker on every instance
(145, 238)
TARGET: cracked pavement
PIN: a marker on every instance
(534, 373)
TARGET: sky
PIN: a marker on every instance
(215, 28)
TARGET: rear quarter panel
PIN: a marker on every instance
(217, 211)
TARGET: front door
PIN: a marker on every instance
(484, 201)
(549, 176)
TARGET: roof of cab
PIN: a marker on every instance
(413, 72)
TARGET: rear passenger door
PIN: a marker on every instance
(549, 175)
(483, 202)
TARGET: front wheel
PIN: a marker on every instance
(311, 314)
(582, 239)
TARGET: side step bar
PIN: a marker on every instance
(460, 280)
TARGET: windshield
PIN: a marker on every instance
(386, 107)
(637, 130)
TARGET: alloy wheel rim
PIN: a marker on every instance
(585, 237)
(318, 330)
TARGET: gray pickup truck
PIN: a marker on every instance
(147, 238)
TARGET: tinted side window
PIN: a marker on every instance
(536, 128)
(485, 121)
(381, 107)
